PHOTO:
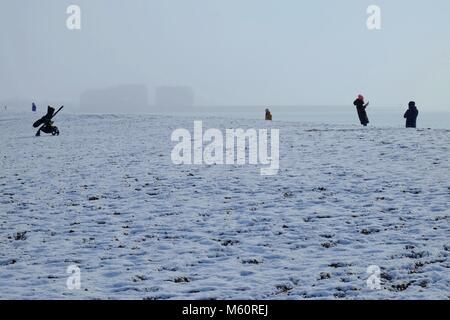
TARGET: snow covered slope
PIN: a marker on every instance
(106, 197)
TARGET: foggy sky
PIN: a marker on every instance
(231, 52)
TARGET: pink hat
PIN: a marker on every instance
(361, 97)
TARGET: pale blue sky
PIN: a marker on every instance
(232, 52)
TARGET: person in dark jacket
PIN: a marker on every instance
(411, 115)
(361, 108)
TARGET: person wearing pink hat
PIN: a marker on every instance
(361, 108)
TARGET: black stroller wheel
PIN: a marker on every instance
(55, 131)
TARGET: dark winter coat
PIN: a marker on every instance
(411, 117)
(362, 114)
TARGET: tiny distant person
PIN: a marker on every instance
(411, 115)
(361, 108)
(268, 115)
(33, 107)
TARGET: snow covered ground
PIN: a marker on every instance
(106, 197)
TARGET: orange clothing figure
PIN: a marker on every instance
(268, 115)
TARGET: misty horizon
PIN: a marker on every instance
(256, 53)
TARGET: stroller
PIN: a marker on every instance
(46, 123)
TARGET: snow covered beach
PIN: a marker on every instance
(106, 197)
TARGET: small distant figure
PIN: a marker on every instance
(46, 123)
(411, 115)
(6, 108)
(33, 107)
(268, 115)
(361, 108)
